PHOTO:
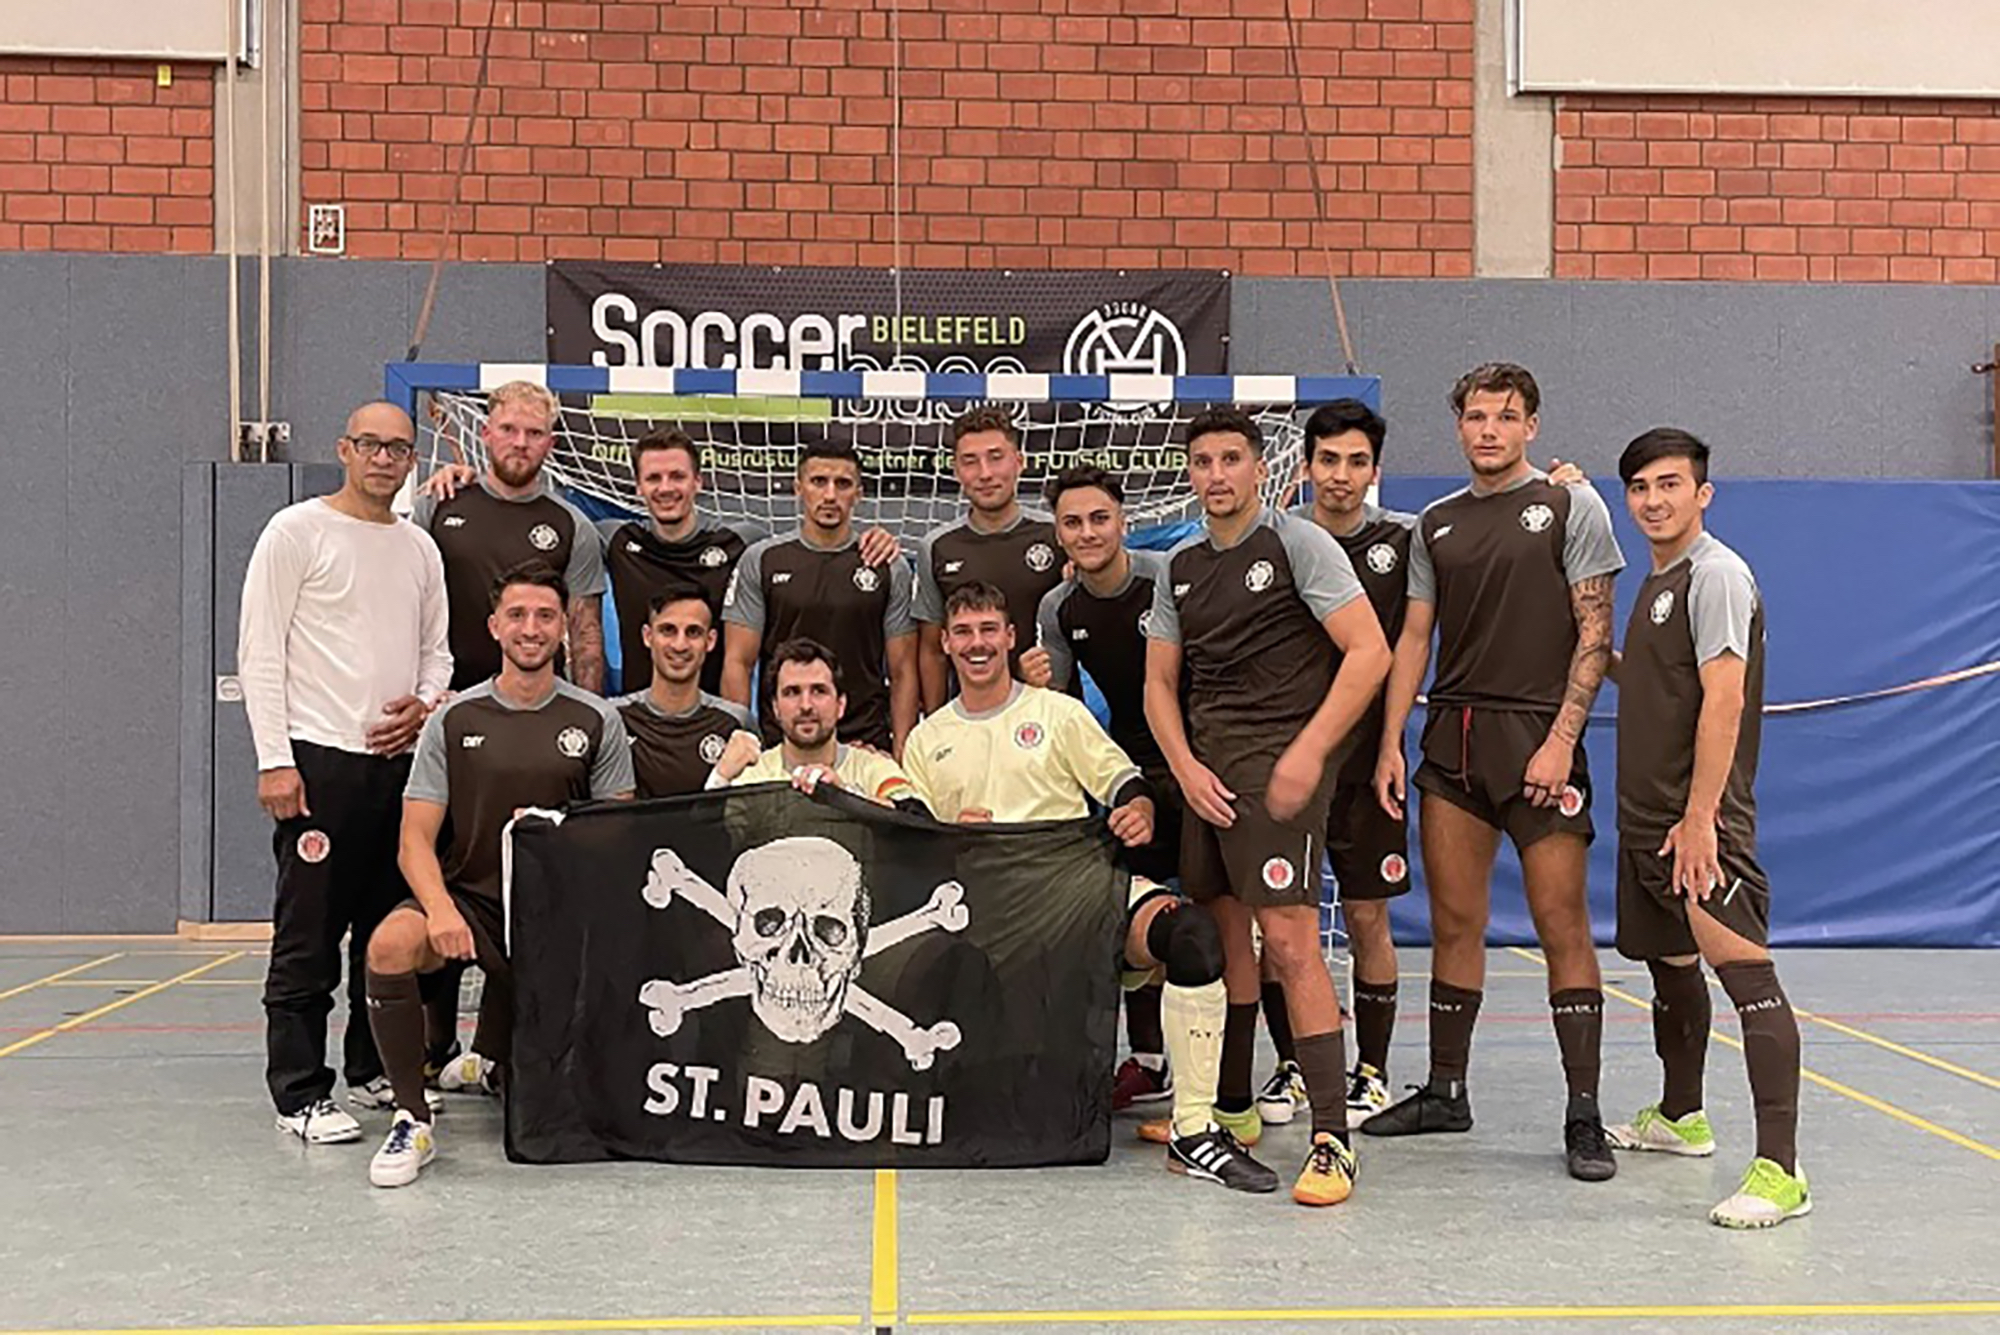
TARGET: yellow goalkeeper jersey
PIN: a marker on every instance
(1039, 756)
(867, 773)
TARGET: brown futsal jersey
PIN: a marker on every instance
(481, 535)
(786, 587)
(1106, 635)
(1256, 661)
(482, 758)
(642, 565)
(1379, 551)
(673, 753)
(1703, 606)
(1498, 567)
(1022, 560)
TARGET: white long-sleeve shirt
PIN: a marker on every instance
(340, 616)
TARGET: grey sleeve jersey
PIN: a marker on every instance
(1048, 634)
(430, 779)
(1590, 548)
(737, 712)
(743, 600)
(897, 620)
(1422, 577)
(928, 603)
(605, 529)
(1722, 606)
(1321, 573)
(1165, 621)
(423, 510)
(585, 574)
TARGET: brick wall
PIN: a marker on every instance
(1846, 189)
(97, 156)
(1036, 132)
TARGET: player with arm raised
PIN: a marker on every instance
(813, 583)
(1690, 700)
(524, 739)
(1263, 656)
(678, 730)
(1514, 573)
(1007, 752)
(997, 543)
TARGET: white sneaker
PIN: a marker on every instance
(321, 1123)
(410, 1145)
(1283, 1094)
(378, 1095)
(468, 1073)
(1367, 1093)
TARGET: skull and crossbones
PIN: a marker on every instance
(797, 913)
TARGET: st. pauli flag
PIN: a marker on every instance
(758, 977)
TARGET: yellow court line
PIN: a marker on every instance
(1899, 1049)
(547, 1326)
(148, 982)
(1451, 1314)
(1882, 1106)
(75, 1021)
(60, 974)
(883, 1285)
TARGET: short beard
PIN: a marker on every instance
(515, 479)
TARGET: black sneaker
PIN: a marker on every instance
(1432, 1109)
(1587, 1147)
(1215, 1156)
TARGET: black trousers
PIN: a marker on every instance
(337, 878)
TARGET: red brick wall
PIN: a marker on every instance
(97, 156)
(1036, 132)
(1847, 189)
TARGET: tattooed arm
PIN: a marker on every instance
(586, 644)
(1549, 769)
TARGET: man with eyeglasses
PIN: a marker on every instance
(342, 654)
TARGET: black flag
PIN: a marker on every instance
(758, 977)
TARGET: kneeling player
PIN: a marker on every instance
(1002, 751)
(678, 730)
(523, 739)
(1690, 696)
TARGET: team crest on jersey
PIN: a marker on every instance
(543, 538)
(866, 580)
(1395, 869)
(711, 748)
(1571, 801)
(1145, 623)
(1259, 576)
(572, 742)
(729, 590)
(1536, 518)
(1381, 558)
(1663, 607)
(1040, 557)
(1028, 736)
(1279, 873)
(634, 547)
(711, 557)
(314, 846)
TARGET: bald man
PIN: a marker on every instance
(342, 654)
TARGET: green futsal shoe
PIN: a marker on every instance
(1768, 1197)
(1247, 1126)
(1688, 1134)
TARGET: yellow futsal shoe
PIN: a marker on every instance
(1328, 1175)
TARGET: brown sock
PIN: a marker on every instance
(440, 993)
(1579, 1020)
(1771, 1051)
(1374, 1021)
(1239, 1053)
(1681, 1017)
(1454, 1010)
(1323, 1062)
(1142, 1022)
(396, 1014)
(1278, 1020)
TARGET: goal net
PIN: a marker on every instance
(749, 427)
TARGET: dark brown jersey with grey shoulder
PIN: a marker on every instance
(642, 566)
(1106, 634)
(1498, 566)
(1256, 661)
(673, 753)
(1022, 560)
(1702, 606)
(1379, 551)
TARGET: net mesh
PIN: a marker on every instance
(749, 451)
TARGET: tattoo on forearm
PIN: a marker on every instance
(586, 647)
(1590, 603)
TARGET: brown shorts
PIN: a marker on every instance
(1369, 848)
(487, 921)
(1477, 760)
(1160, 860)
(1262, 862)
(1653, 919)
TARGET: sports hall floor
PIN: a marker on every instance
(142, 1185)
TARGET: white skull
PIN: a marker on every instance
(801, 923)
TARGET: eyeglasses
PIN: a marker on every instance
(401, 451)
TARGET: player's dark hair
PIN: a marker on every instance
(828, 448)
(1664, 442)
(977, 596)
(986, 417)
(538, 573)
(1342, 416)
(803, 650)
(1498, 378)
(1214, 421)
(682, 592)
(1079, 476)
(670, 439)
